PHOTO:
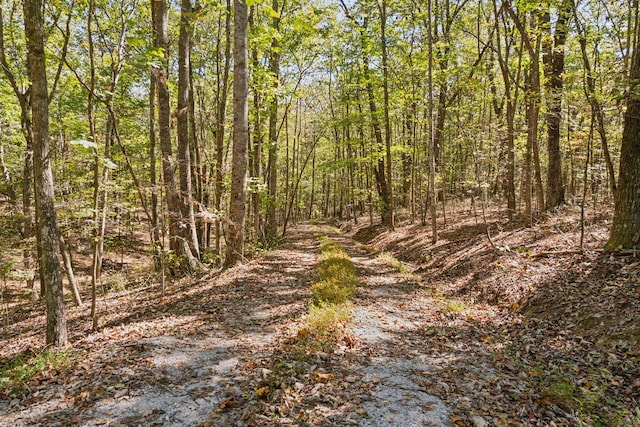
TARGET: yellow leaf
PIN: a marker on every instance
(322, 378)
(263, 392)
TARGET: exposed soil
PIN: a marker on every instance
(514, 326)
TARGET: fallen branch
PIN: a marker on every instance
(549, 253)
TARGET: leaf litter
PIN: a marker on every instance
(486, 336)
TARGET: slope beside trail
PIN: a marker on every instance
(197, 358)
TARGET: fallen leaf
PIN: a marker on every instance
(322, 378)
(263, 392)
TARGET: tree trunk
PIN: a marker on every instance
(46, 225)
(387, 124)
(553, 59)
(188, 227)
(155, 223)
(379, 171)
(272, 183)
(237, 209)
(222, 114)
(179, 245)
(73, 283)
(625, 231)
(432, 142)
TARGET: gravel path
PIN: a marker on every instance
(199, 358)
(383, 325)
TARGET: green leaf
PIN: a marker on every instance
(272, 13)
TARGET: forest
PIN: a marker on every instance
(253, 212)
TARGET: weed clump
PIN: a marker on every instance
(337, 277)
(17, 373)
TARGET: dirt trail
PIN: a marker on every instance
(388, 313)
(199, 358)
(175, 364)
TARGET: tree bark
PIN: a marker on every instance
(46, 225)
(625, 231)
(271, 230)
(553, 60)
(237, 209)
(387, 123)
(186, 260)
(220, 131)
(189, 231)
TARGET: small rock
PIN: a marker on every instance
(478, 421)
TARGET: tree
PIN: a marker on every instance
(237, 209)
(180, 245)
(625, 231)
(189, 232)
(46, 224)
(553, 60)
(271, 230)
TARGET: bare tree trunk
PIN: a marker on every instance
(155, 224)
(222, 114)
(73, 283)
(237, 209)
(553, 59)
(187, 262)
(625, 231)
(189, 231)
(387, 124)
(272, 183)
(46, 226)
(432, 142)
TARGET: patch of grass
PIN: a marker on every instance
(561, 390)
(591, 400)
(337, 277)
(330, 310)
(326, 321)
(453, 306)
(18, 372)
(393, 262)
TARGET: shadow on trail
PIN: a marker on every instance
(173, 362)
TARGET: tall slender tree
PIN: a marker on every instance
(188, 227)
(46, 224)
(180, 246)
(553, 60)
(272, 182)
(237, 208)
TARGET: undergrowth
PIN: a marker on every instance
(17, 373)
(335, 285)
(393, 262)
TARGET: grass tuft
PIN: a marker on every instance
(337, 277)
(326, 322)
(330, 310)
(17, 373)
(393, 262)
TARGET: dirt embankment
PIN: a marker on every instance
(559, 325)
